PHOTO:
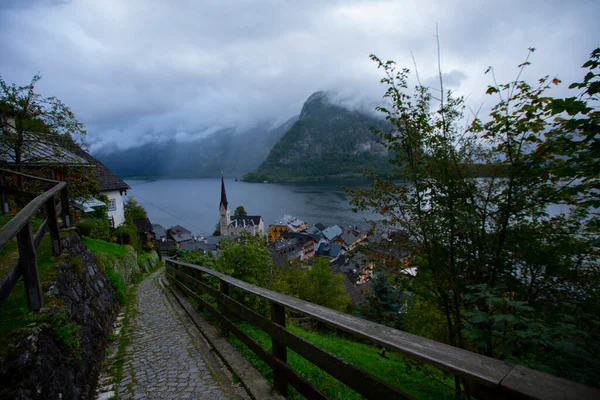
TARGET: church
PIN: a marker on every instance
(236, 224)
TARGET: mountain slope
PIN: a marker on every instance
(224, 150)
(327, 141)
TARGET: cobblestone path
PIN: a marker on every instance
(162, 361)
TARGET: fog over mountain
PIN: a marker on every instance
(137, 72)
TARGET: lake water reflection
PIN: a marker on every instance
(194, 203)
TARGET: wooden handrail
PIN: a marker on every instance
(37, 178)
(19, 226)
(16, 223)
(493, 378)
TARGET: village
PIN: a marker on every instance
(293, 244)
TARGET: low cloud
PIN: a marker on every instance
(135, 71)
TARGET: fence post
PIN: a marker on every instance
(198, 276)
(53, 225)
(28, 265)
(3, 197)
(225, 291)
(64, 202)
(279, 351)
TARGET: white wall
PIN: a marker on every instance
(119, 213)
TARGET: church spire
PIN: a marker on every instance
(223, 202)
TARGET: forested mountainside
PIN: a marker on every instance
(327, 141)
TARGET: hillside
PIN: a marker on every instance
(227, 150)
(327, 141)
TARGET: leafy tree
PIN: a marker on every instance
(246, 258)
(240, 210)
(325, 288)
(319, 285)
(43, 118)
(133, 211)
(384, 303)
(494, 259)
(217, 231)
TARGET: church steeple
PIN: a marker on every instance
(223, 193)
(224, 218)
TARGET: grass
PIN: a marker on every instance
(143, 256)
(420, 382)
(115, 279)
(100, 246)
(14, 313)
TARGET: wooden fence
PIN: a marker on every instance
(488, 377)
(55, 202)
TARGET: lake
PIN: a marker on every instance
(194, 203)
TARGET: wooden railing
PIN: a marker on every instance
(488, 377)
(27, 242)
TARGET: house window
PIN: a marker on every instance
(112, 205)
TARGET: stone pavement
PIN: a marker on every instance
(162, 360)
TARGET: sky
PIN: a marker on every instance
(139, 70)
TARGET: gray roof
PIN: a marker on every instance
(179, 228)
(285, 245)
(107, 180)
(164, 246)
(329, 250)
(159, 231)
(42, 150)
(180, 234)
(332, 232)
(190, 246)
(301, 237)
(313, 230)
(320, 226)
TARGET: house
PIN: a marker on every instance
(359, 265)
(110, 185)
(287, 224)
(330, 250)
(165, 246)
(390, 249)
(353, 288)
(351, 237)
(180, 235)
(285, 250)
(160, 233)
(306, 241)
(332, 232)
(320, 227)
(214, 242)
(313, 230)
(144, 228)
(59, 158)
(235, 225)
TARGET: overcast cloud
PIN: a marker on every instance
(137, 70)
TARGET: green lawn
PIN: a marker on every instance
(420, 382)
(100, 246)
(14, 313)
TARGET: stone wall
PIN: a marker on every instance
(60, 357)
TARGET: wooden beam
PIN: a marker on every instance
(28, 266)
(279, 350)
(53, 225)
(14, 226)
